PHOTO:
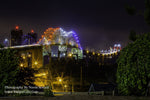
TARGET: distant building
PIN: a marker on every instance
(32, 37)
(16, 36)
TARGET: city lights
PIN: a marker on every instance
(29, 55)
(24, 57)
(65, 86)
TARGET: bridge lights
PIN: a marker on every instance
(117, 47)
(87, 51)
(93, 53)
(53, 34)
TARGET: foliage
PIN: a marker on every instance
(134, 66)
(9, 63)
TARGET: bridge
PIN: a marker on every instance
(61, 43)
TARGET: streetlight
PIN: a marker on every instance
(29, 55)
(35, 62)
(21, 64)
(60, 80)
(41, 74)
(24, 57)
(70, 54)
(65, 86)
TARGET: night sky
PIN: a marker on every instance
(99, 23)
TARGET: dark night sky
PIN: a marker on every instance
(98, 23)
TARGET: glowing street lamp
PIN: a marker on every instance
(65, 86)
(24, 57)
(35, 62)
(21, 64)
(60, 80)
(70, 54)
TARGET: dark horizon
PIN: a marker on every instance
(99, 24)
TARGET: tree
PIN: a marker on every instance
(134, 66)
(9, 63)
